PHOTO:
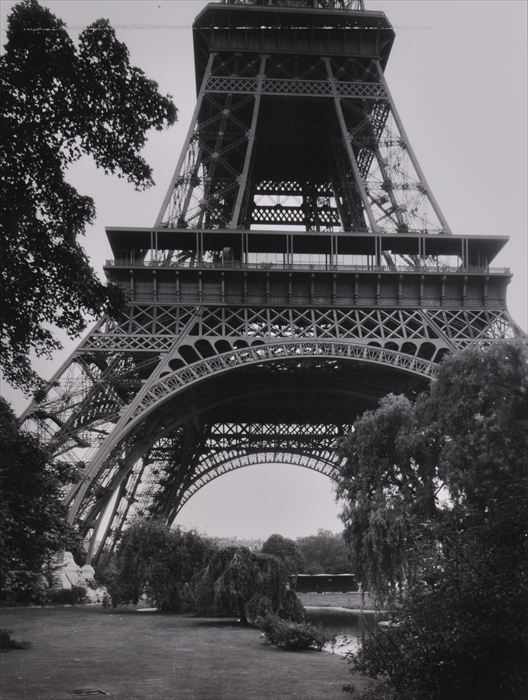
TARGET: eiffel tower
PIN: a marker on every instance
(299, 269)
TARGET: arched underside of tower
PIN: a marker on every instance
(325, 462)
(289, 409)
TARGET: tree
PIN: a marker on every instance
(462, 628)
(245, 584)
(325, 552)
(159, 562)
(58, 103)
(389, 492)
(286, 550)
(32, 517)
(437, 509)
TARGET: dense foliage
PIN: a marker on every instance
(390, 492)
(437, 516)
(59, 102)
(286, 550)
(325, 552)
(247, 585)
(32, 517)
(158, 562)
(463, 631)
(292, 636)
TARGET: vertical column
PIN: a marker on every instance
(348, 146)
(412, 156)
(188, 138)
(243, 178)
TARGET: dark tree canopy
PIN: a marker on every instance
(437, 512)
(32, 516)
(58, 102)
(463, 443)
(325, 552)
(157, 561)
(286, 550)
(238, 582)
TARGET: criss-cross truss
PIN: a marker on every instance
(111, 364)
(299, 270)
(365, 177)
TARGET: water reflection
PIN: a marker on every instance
(348, 627)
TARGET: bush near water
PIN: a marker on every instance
(292, 636)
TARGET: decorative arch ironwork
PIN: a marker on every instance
(224, 464)
(170, 383)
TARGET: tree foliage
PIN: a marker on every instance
(462, 629)
(292, 636)
(324, 552)
(286, 550)
(437, 510)
(389, 491)
(464, 441)
(59, 102)
(244, 584)
(158, 562)
(32, 516)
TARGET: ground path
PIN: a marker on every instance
(142, 656)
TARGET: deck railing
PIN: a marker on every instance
(309, 4)
(316, 267)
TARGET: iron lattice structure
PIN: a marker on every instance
(299, 269)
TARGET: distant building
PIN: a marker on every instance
(324, 583)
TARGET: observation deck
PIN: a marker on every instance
(307, 268)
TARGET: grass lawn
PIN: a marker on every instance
(143, 656)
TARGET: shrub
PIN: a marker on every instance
(292, 636)
(7, 642)
(378, 691)
(71, 596)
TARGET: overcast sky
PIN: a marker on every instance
(458, 73)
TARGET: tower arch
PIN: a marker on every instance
(327, 465)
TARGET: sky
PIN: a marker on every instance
(459, 75)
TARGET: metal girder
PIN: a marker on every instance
(154, 329)
(83, 403)
(294, 87)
